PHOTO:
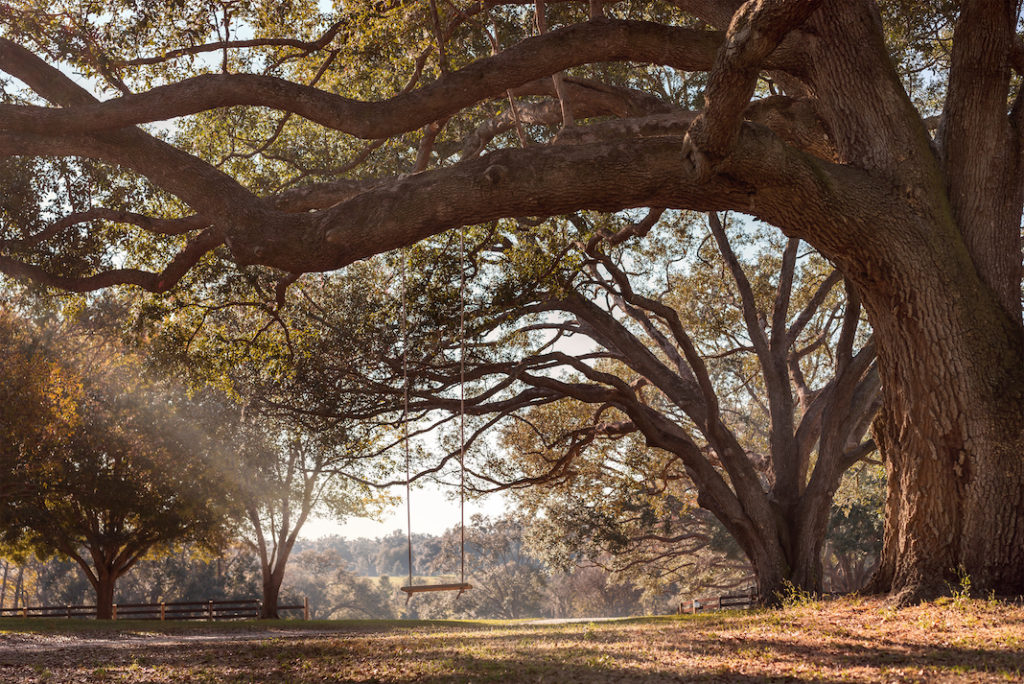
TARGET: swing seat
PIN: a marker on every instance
(420, 588)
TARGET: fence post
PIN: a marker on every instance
(719, 603)
(114, 615)
(305, 608)
(68, 609)
(209, 611)
(163, 608)
(24, 611)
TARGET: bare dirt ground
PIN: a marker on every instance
(13, 643)
(852, 640)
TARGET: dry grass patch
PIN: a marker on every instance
(851, 640)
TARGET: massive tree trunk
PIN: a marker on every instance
(952, 432)
(939, 273)
(793, 561)
(773, 573)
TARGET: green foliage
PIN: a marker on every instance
(792, 596)
(319, 573)
(961, 593)
(39, 402)
(132, 469)
(508, 581)
(920, 36)
(854, 540)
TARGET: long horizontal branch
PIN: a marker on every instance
(715, 13)
(159, 226)
(213, 194)
(303, 45)
(762, 178)
(180, 265)
(590, 42)
(208, 190)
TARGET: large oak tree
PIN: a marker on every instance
(683, 369)
(804, 123)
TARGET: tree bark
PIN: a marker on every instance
(795, 563)
(939, 272)
(3, 584)
(271, 592)
(772, 575)
(809, 539)
(951, 428)
(104, 587)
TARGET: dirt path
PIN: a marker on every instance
(21, 643)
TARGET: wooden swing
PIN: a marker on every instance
(461, 585)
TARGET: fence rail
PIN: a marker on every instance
(236, 609)
(744, 600)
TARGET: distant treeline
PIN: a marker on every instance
(359, 578)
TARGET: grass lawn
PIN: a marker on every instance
(851, 640)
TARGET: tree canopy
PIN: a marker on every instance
(886, 135)
(616, 378)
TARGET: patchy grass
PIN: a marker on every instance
(851, 640)
(84, 628)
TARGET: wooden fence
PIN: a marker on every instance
(240, 609)
(743, 600)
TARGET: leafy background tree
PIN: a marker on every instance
(290, 476)
(129, 473)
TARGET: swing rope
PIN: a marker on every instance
(462, 586)
(405, 416)
(462, 405)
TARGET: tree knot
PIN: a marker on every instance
(495, 173)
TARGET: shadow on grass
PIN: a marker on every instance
(387, 651)
(91, 628)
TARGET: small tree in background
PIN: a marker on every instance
(131, 470)
(335, 592)
(508, 582)
(291, 461)
(189, 572)
(291, 474)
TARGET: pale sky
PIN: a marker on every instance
(433, 510)
(432, 513)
